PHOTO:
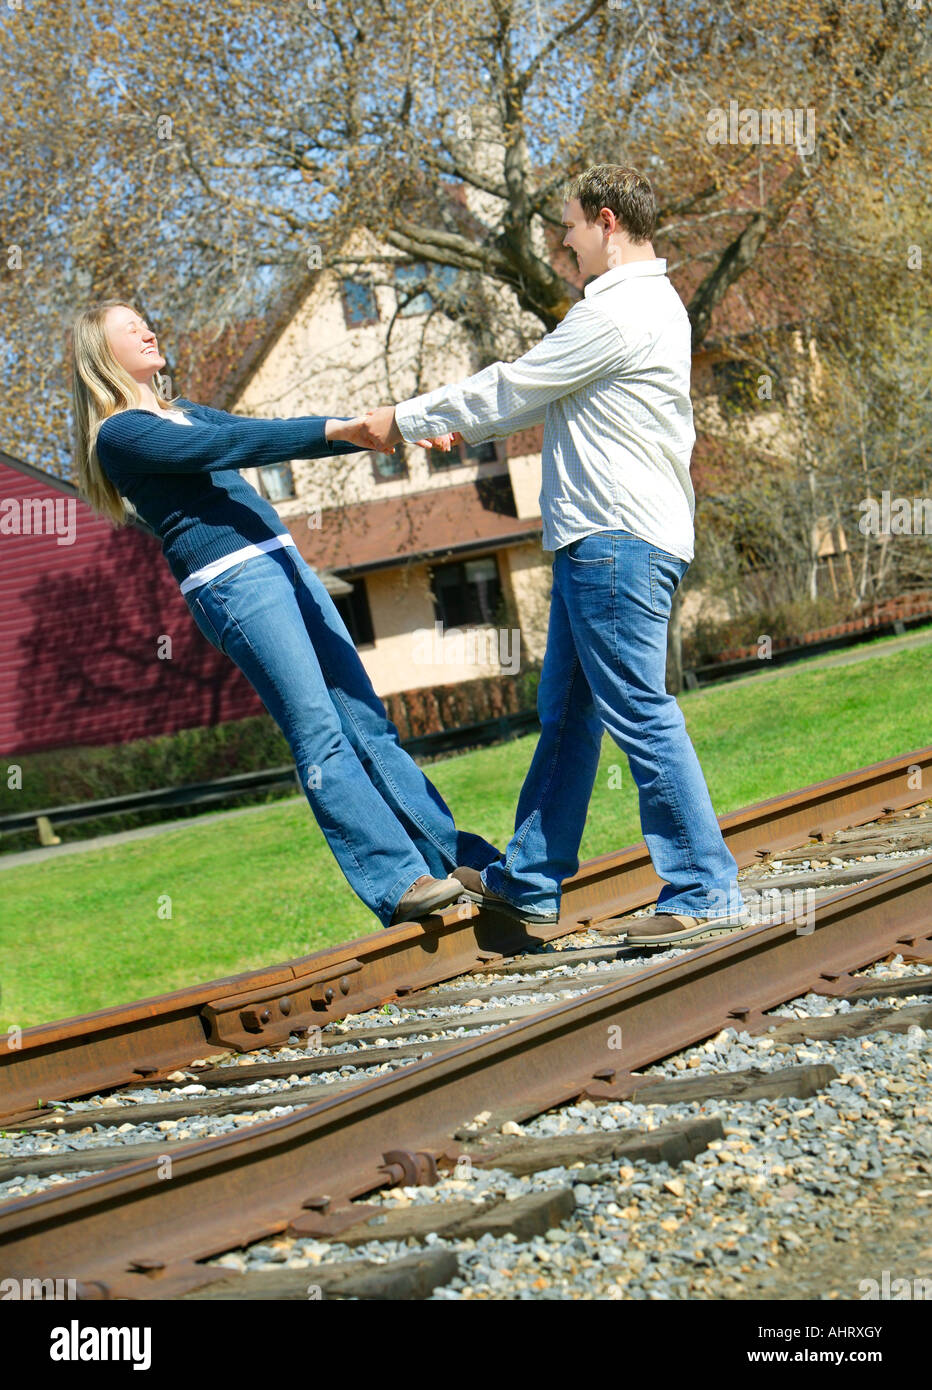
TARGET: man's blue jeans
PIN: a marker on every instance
(385, 822)
(604, 668)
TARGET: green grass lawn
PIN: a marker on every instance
(85, 931)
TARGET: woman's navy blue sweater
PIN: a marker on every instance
(183, 479)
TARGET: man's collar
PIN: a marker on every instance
(624, 272)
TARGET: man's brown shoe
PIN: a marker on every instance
(475, 890)
(426, 895)
(672, 928)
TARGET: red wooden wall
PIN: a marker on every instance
(81, 615)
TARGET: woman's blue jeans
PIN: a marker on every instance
(386, 824)
(604, 668)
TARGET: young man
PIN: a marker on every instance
(611, 386)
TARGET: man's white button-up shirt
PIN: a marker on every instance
(610, 385)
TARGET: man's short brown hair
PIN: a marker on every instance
(626, 191)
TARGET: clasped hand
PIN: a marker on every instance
(377, 430)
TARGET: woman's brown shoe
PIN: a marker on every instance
(426, 895)
(475, 890)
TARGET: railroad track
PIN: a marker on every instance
(378, 1102)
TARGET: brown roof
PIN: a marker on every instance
(446, 521)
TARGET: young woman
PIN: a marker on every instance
(255, 599)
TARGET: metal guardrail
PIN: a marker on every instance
(44, 820)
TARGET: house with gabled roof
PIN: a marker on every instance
(424, 538)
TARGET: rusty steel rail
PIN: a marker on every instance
(261, 1008)
(138, 1232)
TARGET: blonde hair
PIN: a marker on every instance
(100, 387)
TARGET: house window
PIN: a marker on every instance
(482, 453)
(438, 460)
(276, 481)
(461, 453)
(468, 592)
(406, 276)
(354, 610)
(359, 303)
(385, 467)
